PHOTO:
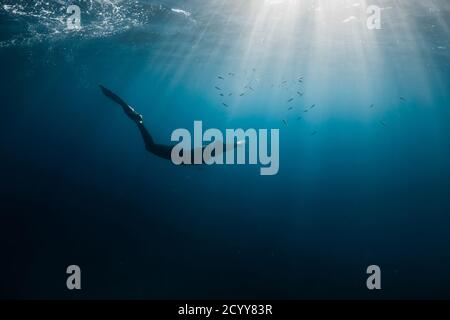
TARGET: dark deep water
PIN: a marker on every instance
(358, 185)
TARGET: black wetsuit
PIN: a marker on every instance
(160, 150)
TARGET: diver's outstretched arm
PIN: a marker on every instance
(162, 151)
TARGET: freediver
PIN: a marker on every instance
(160, 150)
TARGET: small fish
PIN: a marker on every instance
(242, 94)
(371, 106)
(299, 118)
(254, 69)
(403, 99)
(299, 93)
(290, 108)
(221, 94)
(300, 81)
(285, 123)
(231, 74)
(284, 82)
(219, 77)
(230, 94)
(383, 123)
(290, 100)
(313, 106)
(217, 88)
(251, 88)
(225, 104)
(313, 133)
(306, 110)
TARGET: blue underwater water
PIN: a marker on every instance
(364, 176)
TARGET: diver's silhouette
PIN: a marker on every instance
(160, 150)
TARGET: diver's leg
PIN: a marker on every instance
(160, 150)
(157, 149)
(148, 140)
(129, 111)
